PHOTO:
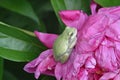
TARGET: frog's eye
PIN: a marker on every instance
(70, 34)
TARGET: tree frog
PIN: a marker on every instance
(64, 44)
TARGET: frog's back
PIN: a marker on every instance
(60, 46)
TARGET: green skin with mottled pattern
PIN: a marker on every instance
(64, 44)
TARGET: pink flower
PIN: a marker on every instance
(114, 75)
(96, 55)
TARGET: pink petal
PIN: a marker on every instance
(109, 75)
(58, 71)
(46, 67)
(46, 39)
(93, 7)
(115, 11)
(72, 70)
(31, 66)
(90, 63)
(83, 74)
(93, 77)
(87, 45)
(95, 73)
(117, 77)
(93, 27)
(43, 64)
(65, 71)
(117, 52)
(73, 18)
(92, 33)
(106, 58)
(113, 31)
(110, 10)
(80, 60)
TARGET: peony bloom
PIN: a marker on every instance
(96, 55)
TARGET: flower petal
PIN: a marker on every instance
(58, 71)
(31, 66)
(111, 10)
(92, 33)
(109, 75)
(106, 58)
(90, 63)
(117, 52)
(79, 60)
(71, 70)
(83, 74)
(73, 18)
(113, 31)
(65, 71)
(43, 64)
(93, 7)
(46, 39)
(117, 77)
(93, 76)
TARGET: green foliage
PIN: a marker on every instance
(22, 7)
(16, 45)
(108, 3)
(1, 68)
(57, 6)
(9, 76)
(44, 77)
(78, 5)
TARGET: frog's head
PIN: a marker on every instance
(70, 32)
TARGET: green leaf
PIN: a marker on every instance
(46, 77)
(78, 5)
(20, 6)
(59, 5)
(9, 76)
(15, 55)
(108, 3)
(17, 44)
(1, 68)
